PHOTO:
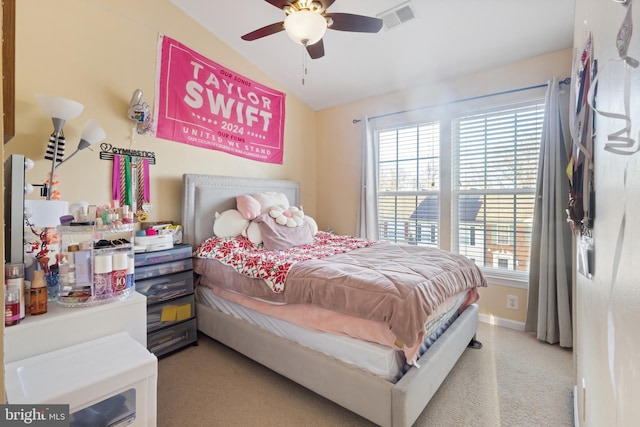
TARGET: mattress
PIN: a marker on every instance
(380, 360)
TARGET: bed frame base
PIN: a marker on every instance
(380, 401)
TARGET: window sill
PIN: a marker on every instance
(510, 279)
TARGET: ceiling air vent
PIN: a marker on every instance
(398, 15)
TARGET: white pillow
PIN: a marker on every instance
(270, 199)
(312, 224)
(253, 233)
(229, 223)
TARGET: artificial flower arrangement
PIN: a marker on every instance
(44, 248)
(47, 237)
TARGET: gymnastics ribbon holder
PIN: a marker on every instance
(130, 184)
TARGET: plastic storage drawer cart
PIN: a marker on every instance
(166, 279)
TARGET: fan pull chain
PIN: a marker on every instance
(304, 63)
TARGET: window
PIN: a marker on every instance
(496, 163)
(409, 182)
(487, 163)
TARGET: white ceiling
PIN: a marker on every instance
(447, 39)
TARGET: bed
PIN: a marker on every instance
(396, 401)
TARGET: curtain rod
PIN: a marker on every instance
(566, 81)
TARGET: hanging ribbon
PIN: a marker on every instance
(147, 182)
(143, 182)
(140, 182)
(127, 179)
(580, 166)
(123, 182)
(115, 179)
(580, 130)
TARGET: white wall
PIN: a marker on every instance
(608, 306)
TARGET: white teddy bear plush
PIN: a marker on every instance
(290, 216)
(229, 223)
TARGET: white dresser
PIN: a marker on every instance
(62, 327)
(47, 360)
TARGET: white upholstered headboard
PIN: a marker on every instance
(204, 195)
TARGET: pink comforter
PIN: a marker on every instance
(398, 285)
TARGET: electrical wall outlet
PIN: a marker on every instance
(512, 302)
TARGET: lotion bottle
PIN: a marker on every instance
(38, 290)
(14, 279)
(119, 272)
(103, 268)
(11, 305)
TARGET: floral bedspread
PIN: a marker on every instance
(273, 266)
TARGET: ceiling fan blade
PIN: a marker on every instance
(264, 31)
(279, 3)
(316, 50)
(357, 23)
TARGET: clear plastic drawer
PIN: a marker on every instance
(117, 410)
(166, 287)
(177, 253)
(150, 271)
(167, 340)
(169, 313)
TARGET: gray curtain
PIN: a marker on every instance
(368, 210)
(549, 303)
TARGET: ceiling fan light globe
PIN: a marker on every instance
(305, 27)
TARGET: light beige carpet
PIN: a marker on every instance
(514, 380)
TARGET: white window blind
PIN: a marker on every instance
(495, 162)
(409, 184)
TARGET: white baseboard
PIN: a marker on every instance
(506, 323)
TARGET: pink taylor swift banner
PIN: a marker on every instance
(201, 103)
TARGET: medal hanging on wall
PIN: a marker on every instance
(143, 199)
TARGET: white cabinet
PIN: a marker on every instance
(106, 382)
(62, 326)
(86, 357)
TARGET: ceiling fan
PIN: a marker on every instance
(306, 22)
